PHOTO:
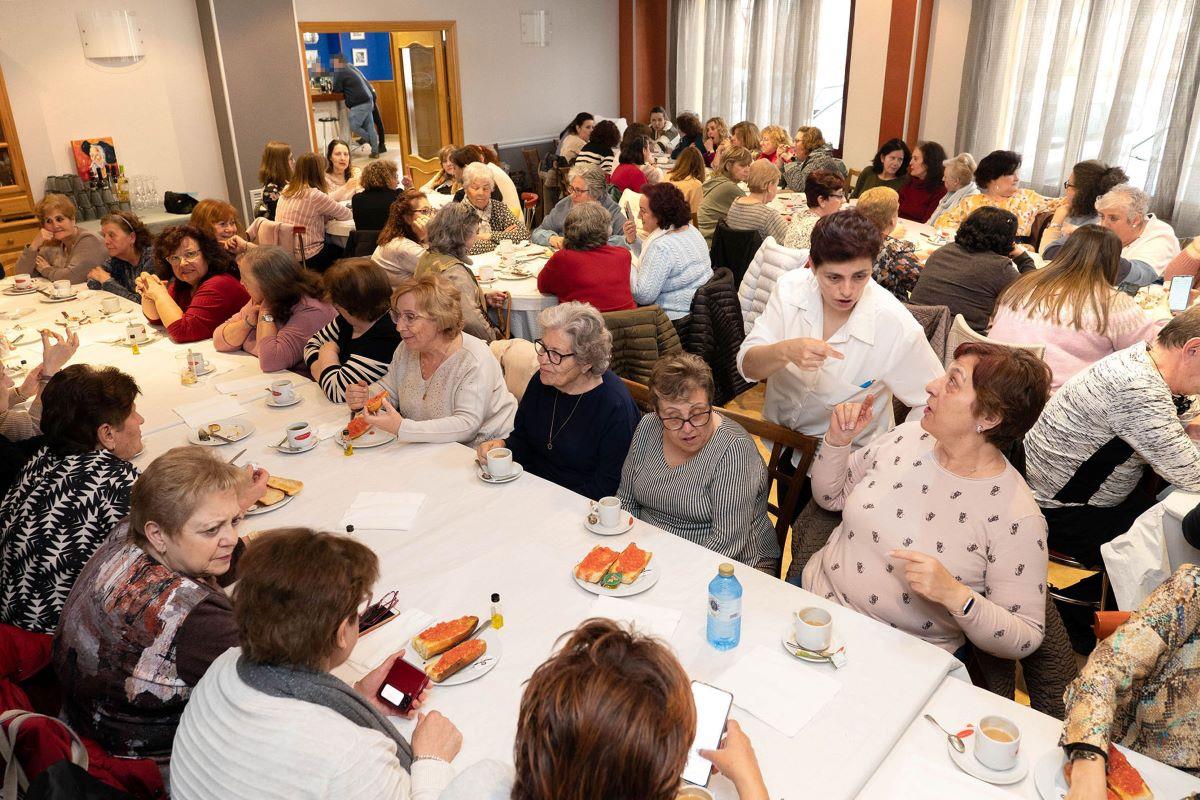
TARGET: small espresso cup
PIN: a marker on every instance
(487, 273)
(813, 628)
(110, 305)
(609, 511)
(688, 791)
(136, 332)
(299, 434)
(22, 281)
(499, 462)
(997, 743)
(282, 392)
(62, 288)
(505, 247)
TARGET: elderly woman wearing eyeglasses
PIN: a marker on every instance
(695, 473)
(576, 418)
(204, 292)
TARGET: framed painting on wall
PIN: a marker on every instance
(95, 158)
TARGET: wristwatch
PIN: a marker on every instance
(1079, 754)
(266, 318)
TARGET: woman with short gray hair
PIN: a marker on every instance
(1147, 243)
(496, 220)
(588, 269)
(449, 237)
(576, 418)
(586, 183)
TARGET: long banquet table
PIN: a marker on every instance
(522, 539)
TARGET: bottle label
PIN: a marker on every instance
(724, 610)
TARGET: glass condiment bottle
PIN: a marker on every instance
(497, 614)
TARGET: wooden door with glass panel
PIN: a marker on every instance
(423, 90)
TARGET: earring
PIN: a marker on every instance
(979, 429)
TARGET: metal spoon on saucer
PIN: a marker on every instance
(953, 738)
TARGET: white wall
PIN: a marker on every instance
(943, 78)
(512, 92)
(159, 113)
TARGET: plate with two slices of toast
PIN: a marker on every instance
(450, 656)
(605, 571)
(280, 492)
(1124, 781)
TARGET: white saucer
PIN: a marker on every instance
(473, 671)
(648, 578)
(295, 400)
(286, 448)
(616, 530)
(788, 639)
(46, 299)
(13, 291)
(257, 509)
(153, 337)
(211, 369)
(970, 765)
(517, 472)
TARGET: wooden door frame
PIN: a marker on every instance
(449, 27)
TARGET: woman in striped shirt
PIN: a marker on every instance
(695, 473)
(358, 346)
(305, 204)
(752, 212)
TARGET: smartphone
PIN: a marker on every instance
(403, 684)
(712, 710)
(1181, 291)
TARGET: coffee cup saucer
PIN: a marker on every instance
(970, 765)
(486, 477)
(624, 525)
(292, 402)
(284, 447)
(788, 640)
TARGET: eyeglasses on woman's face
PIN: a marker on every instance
(408, 318)
(553, 356)
(183, 258)
(697, 420)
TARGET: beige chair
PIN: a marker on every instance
(961, 332)
(518, 362)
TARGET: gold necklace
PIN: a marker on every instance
(553, 413)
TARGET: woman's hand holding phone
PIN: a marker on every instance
(735, 759)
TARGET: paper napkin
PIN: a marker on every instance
(777, 689)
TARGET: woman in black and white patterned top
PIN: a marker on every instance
(696, 474)
(357, 346)
(70, 494)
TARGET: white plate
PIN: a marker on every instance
(480, 667)
(13, 291)
(510, 277)
(648, 578)
(517, 472)
(295, 400)
(789, 643)
(257, 509)
(246, 429)
(46, 299)
(286, 448)
(970, 765)
(372, 438)
(153, 337)
(1052, 784)
(17, 337)
(16, 313)
(616, 530)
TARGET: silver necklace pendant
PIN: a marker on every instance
(549, 445)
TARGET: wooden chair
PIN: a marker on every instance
(529, 201)
(361, 243)
(420, 177)
(789, 484)
(852, 177)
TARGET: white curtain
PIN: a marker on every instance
(1061, 81)
(747, 59)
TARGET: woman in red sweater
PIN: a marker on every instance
(203, 292)
(925, 189)
(635, 167)
(588, 269)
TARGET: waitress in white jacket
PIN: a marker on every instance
(830, 333)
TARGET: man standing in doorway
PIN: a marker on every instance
(359, 96)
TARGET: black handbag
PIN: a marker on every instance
(177, 203)
(63, 780)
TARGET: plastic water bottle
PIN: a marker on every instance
(724, 609)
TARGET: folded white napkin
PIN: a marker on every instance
(253, 383)
(377, 645)
(205, 411)
(777, 688)
(652, 620)
(938, 779)
(329, 430)
(383, 511)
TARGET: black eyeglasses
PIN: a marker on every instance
(696, 420)
(1067, 184)
(377, 612)
(554, 356)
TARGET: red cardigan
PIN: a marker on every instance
(215, 300)
(628, 176)
(918, 199)
(599, 277)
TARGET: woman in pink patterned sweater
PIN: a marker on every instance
(1072, 306)
(940, 536)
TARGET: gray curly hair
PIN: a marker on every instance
(591, 341)
(450, 229)
(587, 227)
(593, 176)
(478, 172)
(1133, 200)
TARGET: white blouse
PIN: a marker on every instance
(881, 341)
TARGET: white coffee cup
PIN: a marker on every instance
(689, 792)
(196, 362)
(813, 629)
(299, 434)
(997, 743)
(505, 247)
(110, 305)
(500, 462)
(282, 392)
(487, 273)
(136, 332)
(62, 288)
(609, 511)
(22, 281)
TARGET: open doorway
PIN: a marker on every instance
(412, 69)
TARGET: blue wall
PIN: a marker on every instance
(377, 44)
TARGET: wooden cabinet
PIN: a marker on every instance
(17, 222)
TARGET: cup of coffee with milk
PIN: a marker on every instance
(813, 629)
(997, 743)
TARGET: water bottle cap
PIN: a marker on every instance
(725, 569)
(495, 597)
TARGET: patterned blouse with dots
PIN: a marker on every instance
(987, 532)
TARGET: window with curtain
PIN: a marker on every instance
(1061, 81)
(773, 62)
